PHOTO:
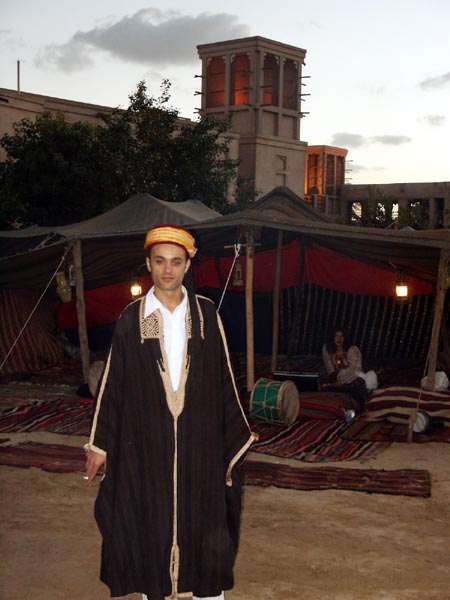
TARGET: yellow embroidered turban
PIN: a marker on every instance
(171, 234)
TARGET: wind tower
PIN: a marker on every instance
(259, 81)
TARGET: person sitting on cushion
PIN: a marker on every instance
(343, 364)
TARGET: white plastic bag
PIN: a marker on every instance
(440, 382)
(370, 378)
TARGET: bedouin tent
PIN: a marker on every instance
(281, 217)
(105, 249)
(277, 221)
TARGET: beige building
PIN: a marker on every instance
(432, 199)
(325, 178)
(327, 191)
(15, 106)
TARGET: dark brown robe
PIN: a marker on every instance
(168, 508)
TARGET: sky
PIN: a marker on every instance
(378, 71)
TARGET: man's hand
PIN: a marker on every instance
(94, 462)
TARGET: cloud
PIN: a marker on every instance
(9, 40)
(436, 83)
(344, 139)
(356, 140)
(433, 120)
(149, 37)
(391, 140)
(70, 57)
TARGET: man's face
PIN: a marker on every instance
(167, 264)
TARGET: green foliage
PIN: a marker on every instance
(374, 211)
(245, 194)
(57, 173)
(51, 172)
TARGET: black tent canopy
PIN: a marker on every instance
(111, 244)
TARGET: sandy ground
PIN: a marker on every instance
(315, 545)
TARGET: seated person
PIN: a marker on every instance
(343, 364)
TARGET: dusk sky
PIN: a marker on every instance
(378, 70)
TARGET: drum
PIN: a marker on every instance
(274, 401)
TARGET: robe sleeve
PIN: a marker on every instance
(329, 367)
(237, 434)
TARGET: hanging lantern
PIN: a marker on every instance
(63, 288)
(136, 288)
(72, 280)
(238, 280)
(401, 288)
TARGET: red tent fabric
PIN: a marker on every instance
(322, 267)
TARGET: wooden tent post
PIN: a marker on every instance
(441, 289)
(276, 303)
(250, 253)
(81, 309)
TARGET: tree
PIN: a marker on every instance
(57, 173)
(51, 173)
(415, 215)
(173, 160)
(377, 210)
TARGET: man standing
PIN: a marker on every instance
(169, 425)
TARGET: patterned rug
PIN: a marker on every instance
(70, 415)
(314, 441)
(30, 406)
(14, 395)
(396, 432)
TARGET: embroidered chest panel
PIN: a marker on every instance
(151, 327)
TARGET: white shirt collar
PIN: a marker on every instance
(152, 302)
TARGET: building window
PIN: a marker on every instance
(290, 85)
(215, 82)
(355, 211)
(280, 171)
(320, 203)
(240, 80)
(271, 80)
(312, 186)
(439, 206)
(330, 175)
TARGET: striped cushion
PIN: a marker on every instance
(397, 403)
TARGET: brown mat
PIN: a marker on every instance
(406, 482)
(49, 457)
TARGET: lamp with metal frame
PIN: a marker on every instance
(401, 287)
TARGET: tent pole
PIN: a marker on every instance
(445, 345)
(441, 289)
(81, 309)
(250, 251)
(276, 303)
